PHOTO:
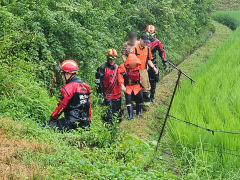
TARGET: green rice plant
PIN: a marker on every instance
(228, 18)
(213, 102)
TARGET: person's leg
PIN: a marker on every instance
(81, 124)
(116, 109)
(144, 80)
(154, 79)
(59, 124)
(139, 101)
(128, 98)
(109, 116)
(153, 89)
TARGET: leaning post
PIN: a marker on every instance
(169, 108)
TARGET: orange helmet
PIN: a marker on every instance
(69, 66)
(112, 54)
(150, 30)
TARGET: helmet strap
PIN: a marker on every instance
(71, 77)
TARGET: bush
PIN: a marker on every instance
(41, 34)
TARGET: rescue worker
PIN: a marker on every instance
(155, 45)
(143, 52)
(127, 46)
(75, 100)
(107, 81)
(129, 79)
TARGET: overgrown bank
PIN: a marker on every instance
(93, 155)
(37, 35)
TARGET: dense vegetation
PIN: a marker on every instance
(228, 18)
(213, 102)
(36, 35)
(226, 4)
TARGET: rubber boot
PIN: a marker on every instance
(130, 112)
(138, 110)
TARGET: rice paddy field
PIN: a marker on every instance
(229, 18)
(212, 103)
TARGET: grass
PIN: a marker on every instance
(100, 154)
(228, 18)
(148, 127)
(227, 4)
(74, 155)
(213, 102)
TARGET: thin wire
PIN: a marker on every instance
(207, 150)
(207, 129)
(209, 146)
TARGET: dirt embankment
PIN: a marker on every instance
(12, 151)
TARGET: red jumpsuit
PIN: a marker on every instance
(75, 103)
(107, 80)
(155, 45)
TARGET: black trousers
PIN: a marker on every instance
(65, 124)
(137, 98)
(114, 110)
(153, 79)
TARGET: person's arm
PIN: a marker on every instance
(62, 104)
(162, 53)
(121, 70)
(89, 102)
(150, 63)
(99, 76)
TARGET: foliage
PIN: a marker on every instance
(213, 102)
(41, 34)
(37, 35)
(83, 30)
(228, 18)
(68, 157)
(226, 4)
(20, 93)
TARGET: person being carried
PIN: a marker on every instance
(143, 52)
(127, 46)
(75, 100)
(129, 79)
(155, 45)
(108, 87)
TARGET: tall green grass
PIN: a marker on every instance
(228, 18)
(213, 102)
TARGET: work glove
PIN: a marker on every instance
(165, 64)
(52, 122)
(52, 119)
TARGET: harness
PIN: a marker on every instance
(131, 77)
(112, 83)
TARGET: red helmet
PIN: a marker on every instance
(69, 66)
(150, 30)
